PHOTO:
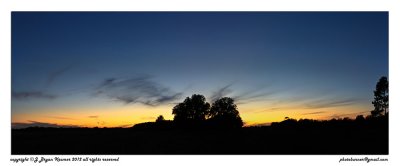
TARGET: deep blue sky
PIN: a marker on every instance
(67, 57)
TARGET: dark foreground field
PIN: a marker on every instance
(343, 139)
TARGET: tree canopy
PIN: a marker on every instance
(224, 113)
(193, 108)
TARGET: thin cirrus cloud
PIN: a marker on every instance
(330, 103)
(240, 98)
(273, 109)
(56, 74)
(313, 113)
(137, 90)
(61, 117)
(39, 94)
(39, 124)
(221, 92)
(31, 94)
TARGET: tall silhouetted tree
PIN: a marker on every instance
(381, 98)
(192, 109)
(224, 113)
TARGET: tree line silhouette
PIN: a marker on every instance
(199, 127)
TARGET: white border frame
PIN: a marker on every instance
(204, 5)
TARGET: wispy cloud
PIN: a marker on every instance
(31, 94)
(94, 116)
(273, 109)
(137, 90)
(221, 92)
(241, 97)
(313, 113)
(253, 96)
(39, 124)
(330, 103)
(54, 75)
(61, 117)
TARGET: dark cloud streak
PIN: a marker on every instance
(241, 98)
(313, 113)
(222, 92)
(60, 117)
(137, 90)
(39, 124)
(330, 103)
(31, 94)
(54, 75)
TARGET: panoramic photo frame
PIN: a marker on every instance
(199, 83)
(309, 159)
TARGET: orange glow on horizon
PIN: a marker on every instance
(129, 115)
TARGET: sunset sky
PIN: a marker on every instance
(116, 69)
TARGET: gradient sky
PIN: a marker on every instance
(120, 68)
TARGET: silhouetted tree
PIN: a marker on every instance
(160, 118)
(381, 99)
(191, 110)
(224, 113)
